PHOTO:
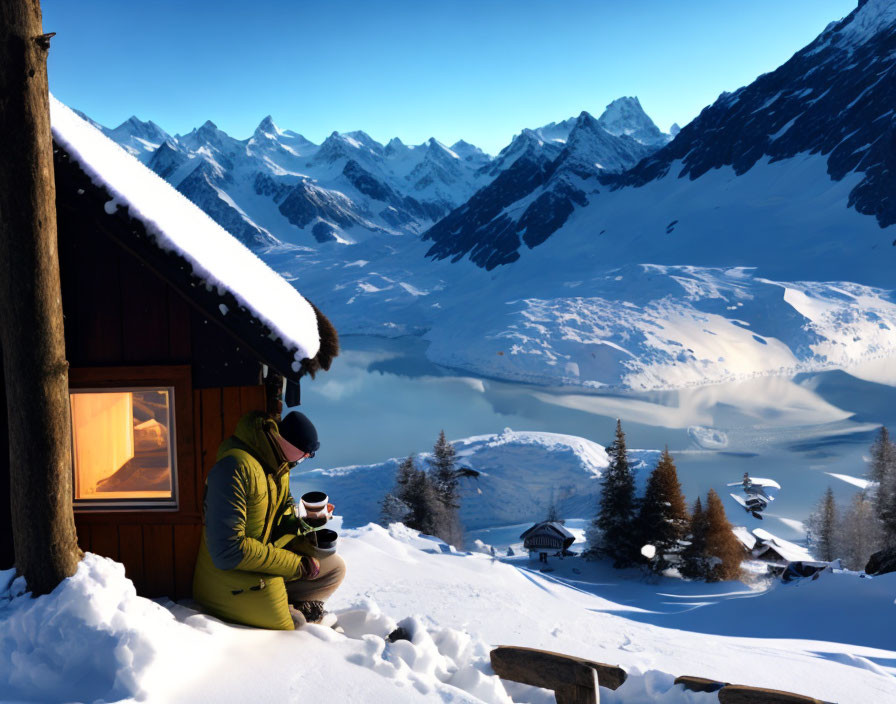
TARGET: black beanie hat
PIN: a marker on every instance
(300, 432)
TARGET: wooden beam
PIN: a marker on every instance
(742, 694)
(699, 684)
(131, 235)
(574, 680)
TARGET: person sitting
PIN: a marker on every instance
(254, 566)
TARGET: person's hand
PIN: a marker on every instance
(310, 567)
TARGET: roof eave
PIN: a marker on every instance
(131, 234)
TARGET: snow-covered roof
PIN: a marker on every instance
(784, 548)
(217, 258)
(744, 536)
(548, 528)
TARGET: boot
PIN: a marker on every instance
(313, 611)
(298, 618)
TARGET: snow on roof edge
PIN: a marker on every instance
(178, 225)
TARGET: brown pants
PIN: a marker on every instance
(332, 572)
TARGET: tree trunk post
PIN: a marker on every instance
(31, 327)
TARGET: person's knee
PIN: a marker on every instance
(339, 569)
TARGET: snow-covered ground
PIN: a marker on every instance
(93, 639)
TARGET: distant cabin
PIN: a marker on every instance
(765, 547)
(547, 537)
(173, 330)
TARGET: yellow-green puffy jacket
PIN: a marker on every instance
(248, 518)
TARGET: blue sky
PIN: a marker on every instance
(478, 70)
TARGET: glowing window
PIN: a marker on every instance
(123, 446)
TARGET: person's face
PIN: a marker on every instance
(293, 454)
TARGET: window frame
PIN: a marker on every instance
(110, 379)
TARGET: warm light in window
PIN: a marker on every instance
(123, 445)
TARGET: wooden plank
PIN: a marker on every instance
(144, 301)
(104, 540)
(219, 360)
(199, 472)
(543, 668)
(186, 546)
(699, 684)
(158, 560)
(91, 299)
(252, 398)
(212, 428)
(742, 694)
(83, 537)
(232, 409)
(130, 543)
(179, 329)
(185, 438)
(577, 694)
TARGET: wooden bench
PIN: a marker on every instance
(743, 694)
(574, 680)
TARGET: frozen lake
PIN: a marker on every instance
(383, 398)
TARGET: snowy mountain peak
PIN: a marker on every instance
(395, 147)
(463, 148)
(470, 153)
(267, 128)
(440, 150)
(869, 19)
(135, 127)
(556, 132)
(626, 116)
(585, 120)
(137, 137)
(361, 139)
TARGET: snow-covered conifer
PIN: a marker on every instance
(663, 519)
(822, 527)
(858, 533)
(393, 510)
(443, 477)
(693, 557)
(883, 472)
(611, 532)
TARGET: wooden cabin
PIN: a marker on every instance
(167, 349)
(547, 536)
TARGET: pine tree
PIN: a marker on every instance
(822, 527)
(663, 519)
(442, 470)
(858, 533)
(883, 456)
(883, 472)
(393, 510)
(723, 550)
(610, 532)
(443, 476)
(395, 506)
(425, 506)
(553, 516)
(693, 557)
